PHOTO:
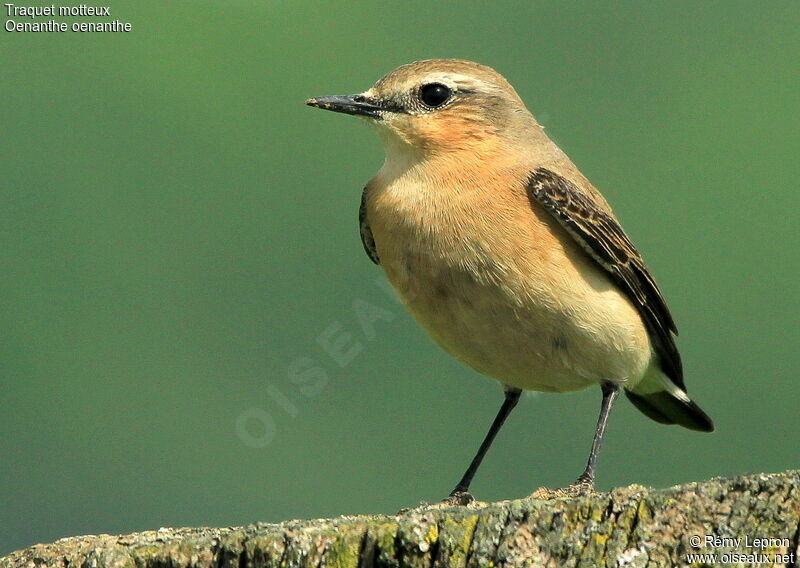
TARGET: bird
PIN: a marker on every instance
(506, 254)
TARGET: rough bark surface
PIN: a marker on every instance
(632, 526)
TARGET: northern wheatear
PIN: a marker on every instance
(505, 253)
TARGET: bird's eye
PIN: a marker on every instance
(434, 95)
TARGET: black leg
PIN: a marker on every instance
(461, 492)
(610, 393)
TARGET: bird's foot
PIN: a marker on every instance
(582, 487)
(455, 499)
(458, 498)
(423, 505)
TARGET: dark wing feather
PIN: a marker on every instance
(366, 233)
(601, 235)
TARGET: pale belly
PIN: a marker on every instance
(515, 323)
(500, 285)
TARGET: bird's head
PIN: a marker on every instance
(437, 105)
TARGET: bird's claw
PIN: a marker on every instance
(455, 499)
(581, 488)
(458, 498)
(422, 505)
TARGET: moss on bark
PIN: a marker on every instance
(632, 527)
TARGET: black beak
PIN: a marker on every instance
(349, 104)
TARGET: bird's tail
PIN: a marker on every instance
(663, 401)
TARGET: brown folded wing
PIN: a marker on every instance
(601, 235)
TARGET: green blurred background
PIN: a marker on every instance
(179, 230)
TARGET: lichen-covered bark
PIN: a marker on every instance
(633, 527)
